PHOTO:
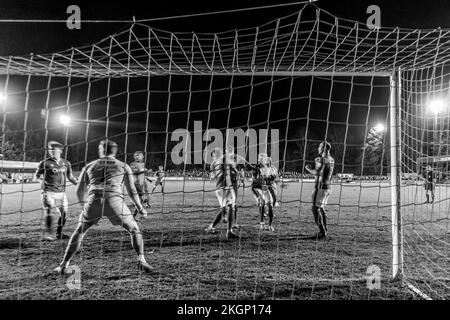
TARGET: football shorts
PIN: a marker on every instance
(320, 197)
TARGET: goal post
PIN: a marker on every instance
(396, 218)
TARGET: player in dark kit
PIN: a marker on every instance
(324, 165)
(100, 190)
(55, 172)
(429, 184)
(256, 178)
(140, 181)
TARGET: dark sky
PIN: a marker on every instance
(21, 38)
(324, 118)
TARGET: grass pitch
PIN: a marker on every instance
(190, 264)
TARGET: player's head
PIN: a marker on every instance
(160, 168)
(262, 158)
(107, 148)
(54, 149)
(138, 156)
(428, 167)
(324, 147)
(216, 153)
(229, 150)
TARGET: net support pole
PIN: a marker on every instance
(395, 105)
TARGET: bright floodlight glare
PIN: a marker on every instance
(436, 106)
(379, 127)
(2, 97)
(65, 120)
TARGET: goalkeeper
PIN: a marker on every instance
(100, 191)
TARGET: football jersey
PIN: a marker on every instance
(224, 172)
(265, 176)
(256, 174)
(105, 176)
(324, 167)
(139, 170)
(55, 174)
(429, 176)
(159, 174)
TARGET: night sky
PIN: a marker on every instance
(336, 110)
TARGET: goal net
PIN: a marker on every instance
(280, 88)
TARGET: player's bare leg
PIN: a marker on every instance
(61, 222)
(220, 215)
(231, 213)
(324, 220)
(49, 222)
(74, 245)
(137, 241)
(230, 233)
(318, 217)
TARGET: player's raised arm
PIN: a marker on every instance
(131, 189)
(317, 168)
(82, 184)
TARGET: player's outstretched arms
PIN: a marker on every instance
(132, 192)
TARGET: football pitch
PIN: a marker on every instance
(190, 264)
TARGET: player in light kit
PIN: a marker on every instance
(55, 171)
(324, 165)
(266, 200)
(429, 184)
(159, 175)
(100, 191)
(140, 181)
(222, 169)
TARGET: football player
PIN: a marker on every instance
(54, 173)
(222, 170)
(324, 165)
(100, 191)
(159, 175)
(140, 181)
(429, 178)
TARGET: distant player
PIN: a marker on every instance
(324, 165)
(140, 181)
(429, 177)
(55, 172)
(241, 178)
(159, 175)
(256, 178)
(100, 191)
(222, 169)
(266, 200)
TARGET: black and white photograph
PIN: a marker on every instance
(225, 151)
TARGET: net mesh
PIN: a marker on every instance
(308, 77)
